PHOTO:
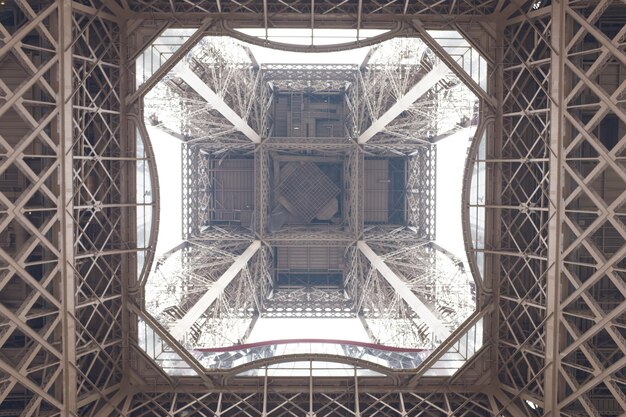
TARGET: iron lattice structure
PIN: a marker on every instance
(551, 256)
(274, 193)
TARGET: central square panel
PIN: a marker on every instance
(307, 192)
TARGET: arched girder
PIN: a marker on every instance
(234, 372)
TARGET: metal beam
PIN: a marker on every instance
(428, 81)
(177, 55)
(553, 384)
(367, 58)
(216, 102)
(181, 327)
(398, 284)
(68, 286)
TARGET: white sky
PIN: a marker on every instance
(451, 155)
(167, 152)
(308, 328)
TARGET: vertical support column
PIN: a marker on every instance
(357, 406)
(402, 407)
(262, 198)
(311, 413)
(556, 210)
(494, 177)
(432, 188)
(128, 225)
(66, 208)
(218, 410)
(360, 197)
(264, 412)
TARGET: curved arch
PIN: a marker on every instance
(400, 29)
(470, 251)
(306, 357)
(156, 212)
(310, 340)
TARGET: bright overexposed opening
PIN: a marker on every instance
(321, 328)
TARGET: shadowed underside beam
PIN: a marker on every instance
(424, 313)
(216, 102)
(183, 325)
(427, 82)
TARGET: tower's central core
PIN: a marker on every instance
(309, 193)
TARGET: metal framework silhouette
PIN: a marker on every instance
(552, 293)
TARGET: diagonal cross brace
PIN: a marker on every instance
(182, 326)
(217, 102)
(427, 82)
(423, 312)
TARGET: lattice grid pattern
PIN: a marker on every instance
(556, 199)
(307, 190)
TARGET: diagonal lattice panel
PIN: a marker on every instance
(599, 238)
(592, 235)
(32, 330)
(257, 10)
(99, 213)
(306, 190)
(524, 232)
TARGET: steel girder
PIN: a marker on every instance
(66, 201)
(182, 325)
(561, 244)
(575, 368)
(216, 102)
(434, 323)
(402, 103)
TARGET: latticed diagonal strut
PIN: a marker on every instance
(429, 80)
(216, 102)
(182, 326)
(424, 313)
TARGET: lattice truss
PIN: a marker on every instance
(223, 66)
(438, 281)
(262, 188)
(555, 202)
(308, 301)
(353, 205)
(346, 403)
(421, 190)
(196, 185)
(64, 217)
(311, 77)
(269, 15)
(396, 70)
(180, 281)
(562, 241)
